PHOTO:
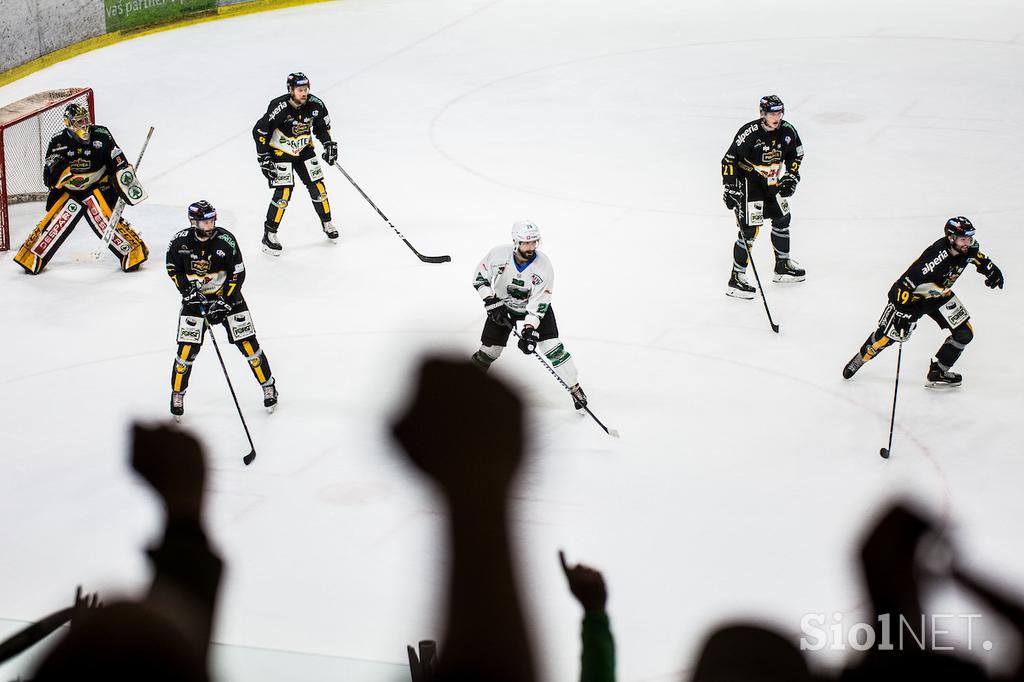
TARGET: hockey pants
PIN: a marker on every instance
(63, 211)
(950, 350)
(494, 338)
(311, 174)
(192, 330)
(760, 205)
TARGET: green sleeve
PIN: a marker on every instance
(598, 660)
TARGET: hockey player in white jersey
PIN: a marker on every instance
(515, 285)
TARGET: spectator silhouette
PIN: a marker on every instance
(470, 443)
(597, 661)
(166, 635)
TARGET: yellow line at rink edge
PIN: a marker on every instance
(90, 44)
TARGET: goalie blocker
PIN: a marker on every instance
(86, 173)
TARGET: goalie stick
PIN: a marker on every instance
(115, 216)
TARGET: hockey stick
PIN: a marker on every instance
(115, 216)
(425, 259)
(611, 432)
(750, 257)
(885, 452)
(252, 453)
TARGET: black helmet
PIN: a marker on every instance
(297, 79)
(201, 210)
(959, 227)
(771, 103)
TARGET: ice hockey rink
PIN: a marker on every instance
(747, 466)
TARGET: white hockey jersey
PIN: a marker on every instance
(525, 291)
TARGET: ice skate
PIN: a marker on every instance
(579, 398)
(270, 395)
(788, 270)
(738, 286)
(270, 244)
(177, 404)
(331, 231)
(855, 363)
(942, 378)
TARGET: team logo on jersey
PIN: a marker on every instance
(771, 156)
(788, 139)
(97, 144)
(535, 278)
(221, 253)
(201, 267)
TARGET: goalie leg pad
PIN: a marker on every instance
(42, 243)
(130, 187)
(125, 243)
(258, 362)
(182, 369)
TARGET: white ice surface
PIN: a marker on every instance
(747, 466)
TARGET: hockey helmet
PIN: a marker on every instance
(202, 210)
(297, 79)
(525, 231)
(959, 227)
(76, 119)
(771, 103)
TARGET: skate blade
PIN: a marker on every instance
(177, 418)
(942, 385)
(271, 252)
(271, 408)
(736, 293)
(788, 279)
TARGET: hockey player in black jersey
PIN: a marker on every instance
(284, 149)
(926, 289)
(85, 172)
(760, 171)
(206, 266)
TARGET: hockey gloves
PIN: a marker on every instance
(787, 185)
(193, 296)
(995, 276)
(330, 154)
(528, 340)
(496, 311)
(267, 166)
(217, 310)
(901, 326)
(733, 198)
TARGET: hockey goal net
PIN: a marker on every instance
(26, 128)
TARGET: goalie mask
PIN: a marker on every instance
(202, 216)
(76, 119)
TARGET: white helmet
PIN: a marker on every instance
(525, 231)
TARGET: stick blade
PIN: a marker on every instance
(613, 433)
(884, 452)
(248, 459)
(775, 328)
(434, 259)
